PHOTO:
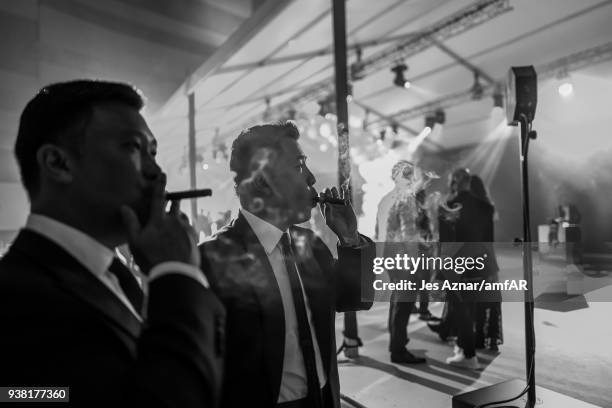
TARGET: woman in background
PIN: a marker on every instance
(488, 314)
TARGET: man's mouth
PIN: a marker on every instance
(314, 195)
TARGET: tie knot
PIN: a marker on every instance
(285, 243)
(119, 269)
(128, 283)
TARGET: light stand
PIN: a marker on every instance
(520, 105)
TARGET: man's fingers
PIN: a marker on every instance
(334, 192)
(130, 220)
(158, 199)
(175, 208)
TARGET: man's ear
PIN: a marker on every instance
(54, 162)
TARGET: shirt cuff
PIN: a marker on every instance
(167, 268)
(360, 245)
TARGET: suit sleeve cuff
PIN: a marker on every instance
(363, 243)
(167, 268)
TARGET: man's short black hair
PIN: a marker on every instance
(250, 140)
(60, 113)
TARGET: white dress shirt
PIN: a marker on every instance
(294, 383)
(97, 258)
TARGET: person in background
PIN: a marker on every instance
(488, 314)
(406, 225)
(72, 314)
(464, 238)
(279, 282)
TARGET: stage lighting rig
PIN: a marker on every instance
(399, 79)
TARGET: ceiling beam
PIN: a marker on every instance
(247, 30)
(129, 26)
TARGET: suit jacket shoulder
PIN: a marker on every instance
(65, 328)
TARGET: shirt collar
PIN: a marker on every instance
(267, 234)
(89, 252)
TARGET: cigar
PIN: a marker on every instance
(331, 200)
(181, 195)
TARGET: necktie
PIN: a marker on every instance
(128, 283)
(305, 335)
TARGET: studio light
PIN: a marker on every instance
(399, 79)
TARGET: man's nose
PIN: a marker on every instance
(310, 178)
(150, 169)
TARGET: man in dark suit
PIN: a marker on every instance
(466, 236)
(279, 283)
(72, 314)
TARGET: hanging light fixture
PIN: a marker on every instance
(498, 97)
(430, 121)
(566, 87)
(477, 88)
(439, 116)
(399, 79)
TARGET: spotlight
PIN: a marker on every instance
(327, 107)
(324, 107)
(477, 88)
(566, 89)
(349, 93)
(498, 98)
(439, 116)
(357, 67)
(399, 79)
(430, 121)
(497, 111)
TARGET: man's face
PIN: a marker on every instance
(116, 165)
(292, 182)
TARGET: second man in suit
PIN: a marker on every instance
(279, 283)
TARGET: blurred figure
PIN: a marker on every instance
(72, 313)
(204, 223)
(488, 314)
(464, 237)
(279, 282)
(406, 223)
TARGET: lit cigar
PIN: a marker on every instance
(181, 195)
(331, 200)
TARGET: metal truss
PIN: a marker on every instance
(548, 70)
(453, 25)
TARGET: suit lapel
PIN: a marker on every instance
(269, 298)
(74, 278)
